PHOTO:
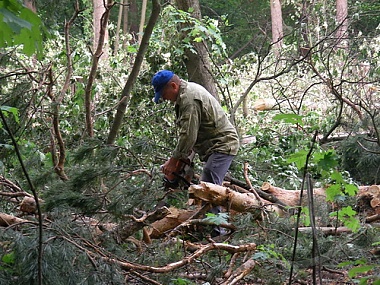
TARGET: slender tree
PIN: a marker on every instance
(342, 22)
(125, 96)
(98, 52)
(133, 19)
(277, 29)
(100, 10)
(125, 20)
(198, 64)
(142, 20)
(119, 20)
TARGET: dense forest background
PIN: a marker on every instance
(81, 142)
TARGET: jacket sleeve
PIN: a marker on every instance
(188, 126)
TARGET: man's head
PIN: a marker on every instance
(166, 86)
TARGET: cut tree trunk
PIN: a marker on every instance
(171, 221)
(232, 200)
(292, 197)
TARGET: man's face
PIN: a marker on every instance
(170, 91)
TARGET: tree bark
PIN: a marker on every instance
(232, 200)
(327, 230)
(198, 64)
(342, 22)
(100, 34)
(8, 220)
(125, 96)
(133, 20)
(142, 20)
(117, 36)
(277, 30)
(101, 16)
(126, 21)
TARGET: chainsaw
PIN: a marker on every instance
(183, 173)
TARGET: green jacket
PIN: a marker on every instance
(202, 123)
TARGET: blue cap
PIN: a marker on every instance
(159, 80)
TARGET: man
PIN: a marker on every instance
(203, 127)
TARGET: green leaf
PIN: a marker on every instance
(20, 26)
(352, 223)
(14, 111)
(299, 158)
(333, 191)
(15, 23)
(351, 189)
(8, 258)
(326, 160)
(337, 177)
(360, 269)
(348, 216)
(220, 218)
(289, 118)
(354, 262)
(260, 256)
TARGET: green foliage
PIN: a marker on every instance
(359, 267)
(360, 157)
(10, 110)
(63, 263)
(217, 219)
(340, 188)
(268, 252)
(348, 216)
(289, 118)
(240, 22)
(181, 281)
(20, 26)
(189, 30)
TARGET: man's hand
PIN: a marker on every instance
(171, 166)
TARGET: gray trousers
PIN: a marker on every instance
(215, 169)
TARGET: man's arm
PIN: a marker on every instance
(189, 123)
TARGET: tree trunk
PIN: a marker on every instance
(304, 46)
(142, 20)
(198, 64)
(101, 16)
(125, 96)
(233, 200)
(342, 22)
(119, 19)
(277, 30)
(99, 11)
(133, 23)
(125, 21)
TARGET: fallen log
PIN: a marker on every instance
(326, 230)
(175, 218)
(8, 220)
(292, 197)
(232, 200)
(368, 197)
